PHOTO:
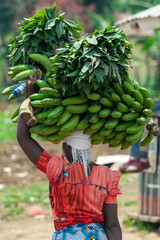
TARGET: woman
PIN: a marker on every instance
(83, 195)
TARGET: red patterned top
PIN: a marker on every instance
(74, 197)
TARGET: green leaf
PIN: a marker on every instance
(50, 24)
(70, 23)
(50, 13)
(73, 74)
(100, 74)
(106, 68)
(59, 28)
(85, 67)
(92, 40)
(74, 32)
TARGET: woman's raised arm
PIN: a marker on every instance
(30, 147)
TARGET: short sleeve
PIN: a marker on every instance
(113, 189)
(43, 161)
(54, 167)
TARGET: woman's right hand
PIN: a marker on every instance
(31, 86)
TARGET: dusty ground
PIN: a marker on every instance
(42, 228)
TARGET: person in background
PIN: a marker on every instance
(83, 195)
(138, 160)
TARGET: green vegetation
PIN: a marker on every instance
(8, 129)
(140, 225)
(14, 200)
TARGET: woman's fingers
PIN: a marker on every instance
(40, 74)
(35, 73)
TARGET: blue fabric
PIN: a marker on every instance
(135, 149)
(89, 231)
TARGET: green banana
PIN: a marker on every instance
(125, 145)
(105, 113)
(50, 91)
(15, 120)
(111, 135)
(130, 116)
(120, 135)
(94, 108)
(149, 103)
(15, 112)
(137, 106)
(43, 115)
(39, 96)
(141, 120)
(23, 75)
(94, 118)
(138, 96)
(118, 87)
(98, 141)
(136, 85)
(77, 109)
(51, 82)
(56, 112)
(37, 103)
(105, 132)
(36, 128)
(128, 87)
(128, 79)
(106, 141)
(50, 121)
(115, 141)
(71, 123)
(116, 114)
(8, 90)
(54, 137)
(74, 100)
(123, 125)
(43, 60)
(111, 123)
(90, 131)
(144, 93)
(147, 139)
(20, 68)
(42, 84)
(134, 128)
(115, 97)
(65, 116)
(135, 136)
(11, 74)
(94, 96)
(84, 123)
(127, 99)
(96, 136)
(51, 101)
(111, 90)
(47, 130)
(147, 112)
(114, 145)
(11, 97)
(98, 125)
(106, 102)
(122, 108)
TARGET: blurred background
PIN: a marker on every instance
(21, 185)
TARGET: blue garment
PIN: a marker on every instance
(135, 148)
(89, 231)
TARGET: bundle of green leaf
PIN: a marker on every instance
(91, 63)
(40, 36)
(44, 33)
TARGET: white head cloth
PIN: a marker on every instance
(79, 140)
(81, 148)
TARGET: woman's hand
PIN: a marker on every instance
(31, 83)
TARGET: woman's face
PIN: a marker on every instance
(68, 152)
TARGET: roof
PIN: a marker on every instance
(141, 22)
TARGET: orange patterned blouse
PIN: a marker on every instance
(74, 197)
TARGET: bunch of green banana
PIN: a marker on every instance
(22, 72)
(117, 118)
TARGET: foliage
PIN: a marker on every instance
(140, 225)
(44, 33)
(15, 199)
(92, 62)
